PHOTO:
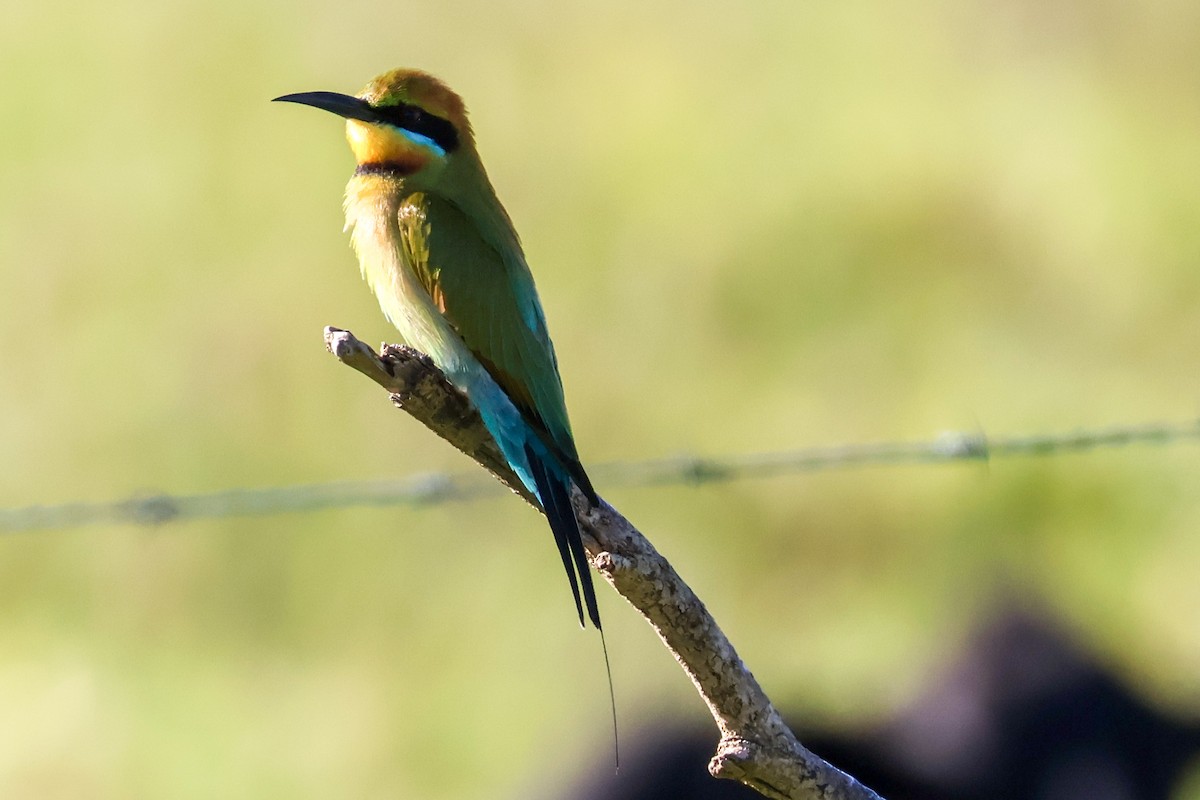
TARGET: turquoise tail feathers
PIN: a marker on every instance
(549, 475)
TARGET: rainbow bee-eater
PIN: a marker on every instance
(441, 254)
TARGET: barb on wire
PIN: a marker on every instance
(439, 488)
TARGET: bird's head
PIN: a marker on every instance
(404, 122)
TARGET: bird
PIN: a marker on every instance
(442, 256)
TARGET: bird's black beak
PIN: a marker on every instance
(341, 104)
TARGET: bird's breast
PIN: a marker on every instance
(379, 218)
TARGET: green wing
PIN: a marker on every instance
(492, 302)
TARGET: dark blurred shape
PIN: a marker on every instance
(1022, 714)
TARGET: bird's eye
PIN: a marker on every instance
(419, 121)
(414, 117)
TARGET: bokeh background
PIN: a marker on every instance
(754, 227)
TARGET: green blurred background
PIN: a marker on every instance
(754, 228)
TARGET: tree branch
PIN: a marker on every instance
(756, 747)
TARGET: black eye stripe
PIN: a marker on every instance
(417, 120)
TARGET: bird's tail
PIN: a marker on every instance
(553, 487)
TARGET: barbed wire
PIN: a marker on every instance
(432, 489)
